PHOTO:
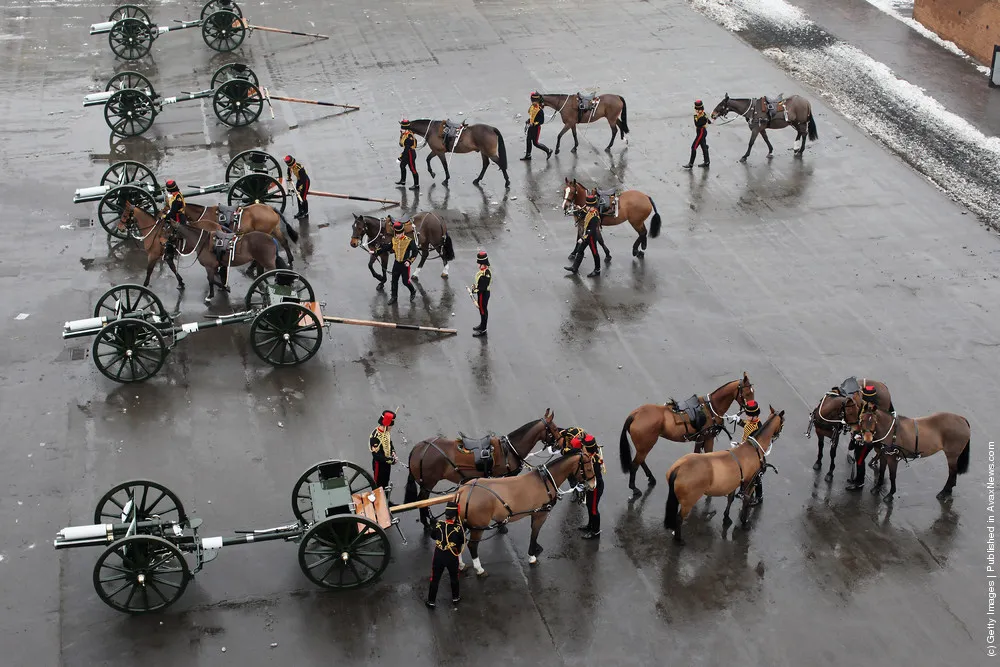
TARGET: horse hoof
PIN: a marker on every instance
(475, 182)
(888, 499)
(652, 481)
(636, 492)
(817, 465)
(444, 275)
(876, 489)
(208, 299)
(556, 152)
(640, 253)
(180, 287)
(482, 574)
(506, 184)
(726, 520)
(742, 160)
(380, 287)
(828, 476)
(679, 541)
(573, 150)
(607, 257)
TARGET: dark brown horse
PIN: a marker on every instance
(736, 470)
(699, 419)
(491, 502)
(838, 409)
(437, 459)
(483, 139)
(633, 205)
(254, 218)
(250, 247)
(905, 438)
(427, 229)
(610, 107)
(153, 234)
(794, 111)
(378, 246)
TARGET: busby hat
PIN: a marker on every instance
(172, 186)
(753, 409)
(451, 509)
(592, 198)
(482, 258)
(289, 159)
(699, 105)
(868, 392)
(536, 96)
(397, 226)
(405, 123)
(387, 418)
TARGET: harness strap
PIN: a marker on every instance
(916, 439)
(738, 465)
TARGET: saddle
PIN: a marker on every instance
(481, 450)
(849, 386)
(450, 130)
(607, 200)
(692, 407)
(586, 101)
(229, 217)
(407, 226)
(223, 243)
(773, 105)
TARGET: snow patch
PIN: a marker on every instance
(734, 14)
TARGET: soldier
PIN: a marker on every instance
(536, 118)
(750, 427)
(175, 204)
(301, 184)
(449, 541)
(408, 158)
(701, 135)
(592, 498)
(481, 291)
(383, 454)
(869, 401)
(404, 251)
(591, 228)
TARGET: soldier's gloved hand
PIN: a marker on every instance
(406, 264)
(733, 418)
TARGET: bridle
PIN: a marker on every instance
(874, 418)
(569, 194)
(740, 400)
(372, 239)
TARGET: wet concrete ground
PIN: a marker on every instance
(800, 272)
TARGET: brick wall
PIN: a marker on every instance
(974, 25)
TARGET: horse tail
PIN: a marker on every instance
(670, 520)
(963, 459)
(501, 150)
(449, 248)
(624, 448)
(292, 234)
(411, 489)
(813, 135)
(279, 262)
(654, 224)
(623, 119)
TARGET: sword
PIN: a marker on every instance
(471, 295)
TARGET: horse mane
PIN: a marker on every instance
(724, 384)
(521, 430)
(767, 423)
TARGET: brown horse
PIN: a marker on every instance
(492, 502)
(484, 139)
(633, 205)
(735, 471)
(906, 438)
(609, 106)
(700, 419)
(428, 229)
(254, 218)
(153, 234)
(838, 408)
(439, 459)
(793, 111)
(250, 247)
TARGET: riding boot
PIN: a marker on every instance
(416, 181)
(758, 493)
(858, 481)
(690, 163)
(527, 148)
(402, 173)
(704, 152)
(597, 267)
(576, 262)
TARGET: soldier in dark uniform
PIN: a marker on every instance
(297, 171)
(869, 401)
(404, 251)
(592, 497)
(701, 135)
(591, 228)
(408, 158)
(174, 211)
(449, 541)
(383, 454)
(750, 427)
(481, 291)
(536, 118)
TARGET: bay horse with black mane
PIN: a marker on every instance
(838, 411)
(253, 218)
(608, 106)
(478, 137)
(793, 111)
(429, 230)
(437, 459)
(699, 419)
(633, 206)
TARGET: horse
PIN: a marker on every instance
(736, 470)
(429, 231)
(609, 106)
(797, 114)
(831, 415)
(250, 247)
(254, 218)
(485, 503)
(439, 458)
(481, 138)
(154, 238)
(378, 246)
(907, 438)
(633, 205)
(700, 419)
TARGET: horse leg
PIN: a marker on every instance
(893, 464)
(834, 441)
(423, 258)
(576, 140)
(770, 148)
(486, 163)
(952, 478)
(753, 137)
(429, 167)
(559, 138)
(371, 269)
(649, 474)
(288, 250)
(729, 503)
(447, 174)
(614, 133)
(474, 537)
(173, 267)
(819, 452)
(150, 264)
(708, 446)
(534, 548)
(881, 474)
(210, 270)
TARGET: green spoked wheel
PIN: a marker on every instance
(278, 284)
(223, 31)
(129, 350)
(129, 112)
(130, 38)
(286, 334)
(129, 12)
(126, 300)
(257, 189)
(213, 6)
(234, 72)
(130, 80)
(344, 551)
(141, 573)
(141, 499)
(358, 480)
(252, 162)
(111, 210)
(130, 172)
(237, 103)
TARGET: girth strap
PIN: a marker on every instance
(475, 485)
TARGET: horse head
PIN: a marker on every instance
(867, 423)
(571, 192)
(780, 416)
(127, 216)
(851, 412)
(744, 391)
(358, 230)
(722, 108)
(551, 434)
